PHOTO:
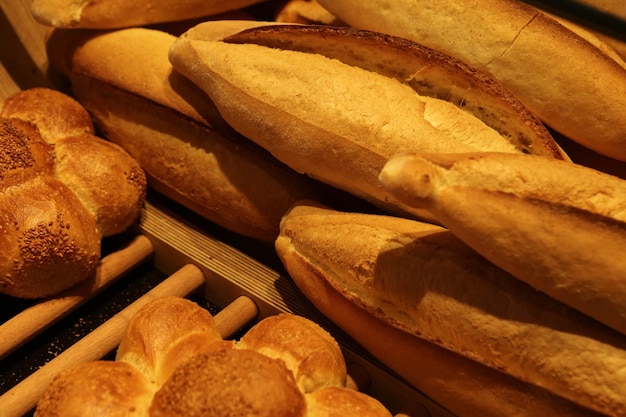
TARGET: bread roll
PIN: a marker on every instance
(174, 131)
(433, 289)
(560, 227)
(313, 361)
(61, 190)
(318, 100)
(568, 82)
(49, 241)
(172, 362)
(115, 14)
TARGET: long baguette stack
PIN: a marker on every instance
(577, 215)
(502, 308)
(442, 310)
(410, 98)
(167, 124)
(561, 75)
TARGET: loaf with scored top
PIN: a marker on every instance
(560, 227)
(174, 131)
(465, 332)
(563, 76)
(335, 103)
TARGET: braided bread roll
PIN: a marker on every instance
(61, 190)
(172, 362)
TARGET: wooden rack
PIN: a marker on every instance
(242, 288)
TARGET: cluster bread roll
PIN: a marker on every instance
(335, 103)
(174, 131)
(61, 190)
(465, 332)
(172, 361)
(560, 75)
(560, 227)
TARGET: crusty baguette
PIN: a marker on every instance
(569, 83)
(335, 103)
(560, 227)
(174, 131)
(305, 12)
(612, 9)
(115, 14)
(173, 362)
(431, 288)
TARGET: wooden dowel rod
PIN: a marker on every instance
(235, 315)
(31, 321)
(104, 339)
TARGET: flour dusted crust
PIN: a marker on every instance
(61, 190)
(487, 343)
(507, 208)
(172, 362)
(315, 98)
(570, 83)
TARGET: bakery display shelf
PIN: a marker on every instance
(170, 252)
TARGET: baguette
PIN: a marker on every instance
(560, 227)
(170, 126)
(317, 100)
(116, 14)
(305, 12)
(463, 331)
(560, 76)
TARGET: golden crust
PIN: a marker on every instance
(422, 280)
(76, 187)
(171, 347)
(93, 14)
(116, 389)
(311, 353)
(55, 114)
(506, 207)
(463, 386)
(240, 382)
(565, 80)
(339, 120)
(152, 336)
(174, 130)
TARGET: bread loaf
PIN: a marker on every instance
(560, 227)
(173, 362)
(115, 14)
(174, 131)
(335, 103)
(61, 190)
(434, 310)
(305, 12)
(567, 81)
